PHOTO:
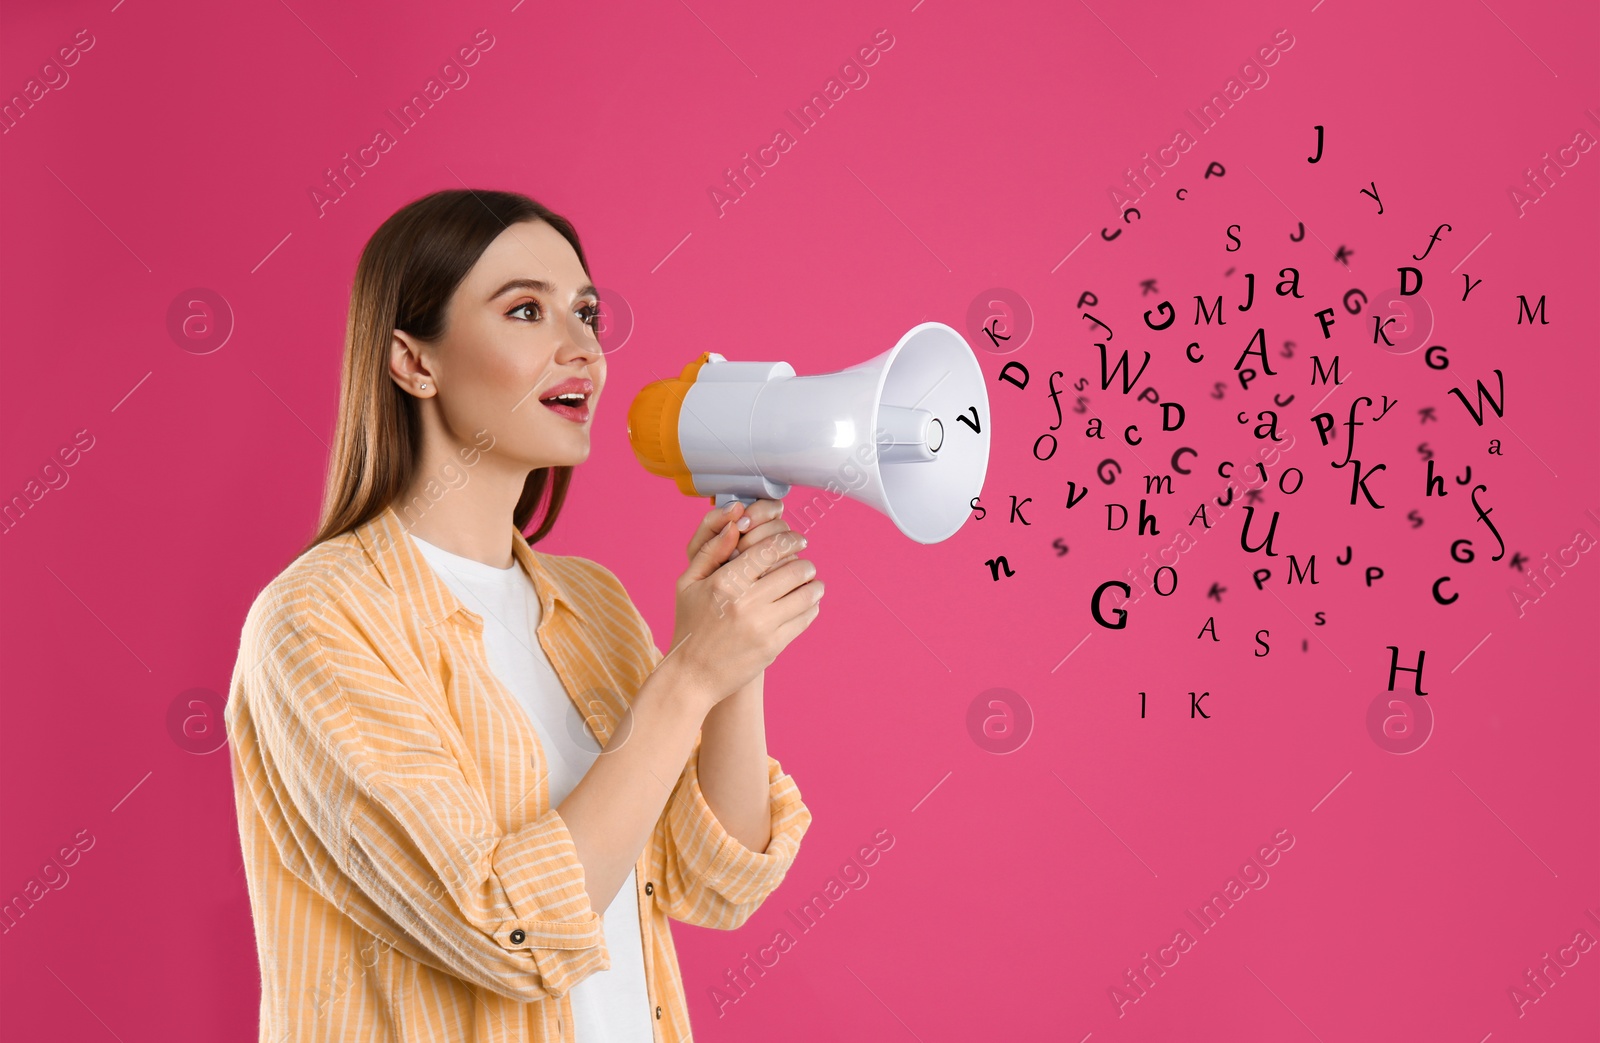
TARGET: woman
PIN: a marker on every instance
(471, 791)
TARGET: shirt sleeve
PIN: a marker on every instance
(705, 876)
(374, 811)
(708, 877)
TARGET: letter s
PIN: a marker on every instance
(489, 43)
(877, 839)
(880, 34)
(1279, 843)
(79, 37)
(1280, 34)
(1262, 643)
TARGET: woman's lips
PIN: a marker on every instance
(577, 414)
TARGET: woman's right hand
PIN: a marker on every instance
(733, 617)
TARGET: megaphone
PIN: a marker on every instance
(906, 433)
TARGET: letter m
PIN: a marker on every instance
(1483, 393)
(1120, 368)
(1201, 309)
(1318, 374)
(1538, 309)
(1156, 480)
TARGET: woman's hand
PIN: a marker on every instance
(745, 595)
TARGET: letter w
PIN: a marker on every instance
(1122, 368)
(1483, 393)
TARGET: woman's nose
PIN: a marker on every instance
(578, 341)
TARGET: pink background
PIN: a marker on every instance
(1420, 887)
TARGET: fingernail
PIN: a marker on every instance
(735, 554)
(744, 523)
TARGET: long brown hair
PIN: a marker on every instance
(407, 274)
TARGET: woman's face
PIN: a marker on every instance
(521, 323)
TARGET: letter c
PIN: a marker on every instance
(1225, 469)
(1436, 597)
(1189, 351)
(1181, 191)
(1120, 613)
(1126, 432)
(1180, 452)
(1131, 210)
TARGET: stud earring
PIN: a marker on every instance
(424, 387)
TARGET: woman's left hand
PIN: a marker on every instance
(765, 520)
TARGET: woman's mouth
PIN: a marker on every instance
(572, 405)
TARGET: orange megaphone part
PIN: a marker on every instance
(653, 426)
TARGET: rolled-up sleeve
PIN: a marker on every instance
(370, 806)
(710, 878)
(703, 875)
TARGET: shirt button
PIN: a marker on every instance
(658, 1013)
(649, 887)
(518, 937)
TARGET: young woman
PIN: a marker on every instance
(471, 790)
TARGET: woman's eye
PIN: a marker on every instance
(591, 315)
(520, 307)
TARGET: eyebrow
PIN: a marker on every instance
(587, 290)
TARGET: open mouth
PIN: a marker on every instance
(573, 405)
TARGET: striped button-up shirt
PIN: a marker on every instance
(409, 880)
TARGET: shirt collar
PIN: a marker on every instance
(403, 568)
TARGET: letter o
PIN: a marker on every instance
(1041, 438)
(1298, 481)
(1155, 581)
(1120, 613)
(1458, 557)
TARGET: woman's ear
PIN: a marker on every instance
(408, 366)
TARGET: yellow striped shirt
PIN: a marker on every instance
(409, 880)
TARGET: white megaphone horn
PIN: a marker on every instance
(906, 433)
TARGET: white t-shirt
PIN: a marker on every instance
(610, 1006)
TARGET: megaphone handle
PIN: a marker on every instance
(723, 499)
